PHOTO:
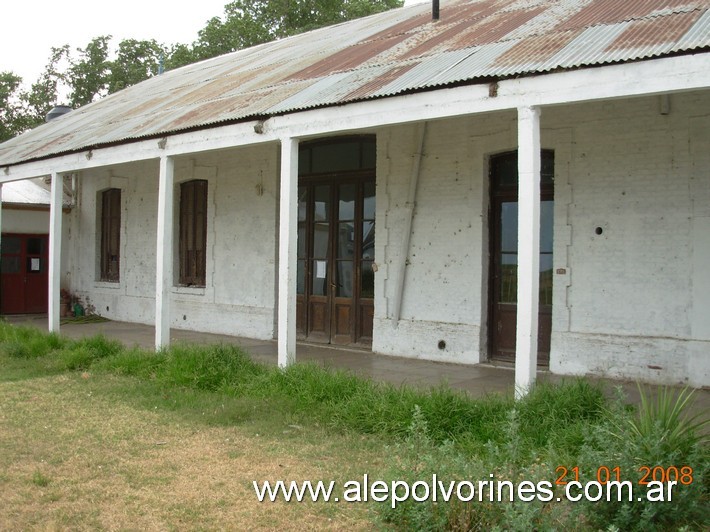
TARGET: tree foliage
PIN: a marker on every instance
(86, 74)
(10, 108)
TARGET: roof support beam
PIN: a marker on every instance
(55, 251)
(528, 249)
(164, 253)
(288, 222)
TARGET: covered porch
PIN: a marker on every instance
(582, 115)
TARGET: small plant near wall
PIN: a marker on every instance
(66, 306)
(72, 306)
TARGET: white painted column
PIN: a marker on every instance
(528, 248)
(55, 251)
(164, 253)
(288, 222)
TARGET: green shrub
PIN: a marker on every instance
(660, 434)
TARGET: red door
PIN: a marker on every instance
(24, 274)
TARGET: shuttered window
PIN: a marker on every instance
(193, 232)
(110, 234)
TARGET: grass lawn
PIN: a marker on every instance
(97, 436)
(98, 451)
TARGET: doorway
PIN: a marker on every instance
(503, 271)
(24, 274)
(336, 241)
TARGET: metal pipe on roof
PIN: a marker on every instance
(435, 10)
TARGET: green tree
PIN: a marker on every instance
(44, 93)
(135, 61)
(179, 55)
(10, 105)
(88, 75)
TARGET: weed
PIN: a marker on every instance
(661, 434)
(39, 479)
(664, 423)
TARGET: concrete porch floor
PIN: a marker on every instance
(477, 380)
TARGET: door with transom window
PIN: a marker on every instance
(336, 241)
(503, 288)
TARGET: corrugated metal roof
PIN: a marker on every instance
(28, 192)
(398, 51)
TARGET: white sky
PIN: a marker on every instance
(32, 27)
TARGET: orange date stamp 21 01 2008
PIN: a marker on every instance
(604, 474)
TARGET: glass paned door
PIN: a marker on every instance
(504, 257)
(335, 284)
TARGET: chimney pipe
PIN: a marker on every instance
(435, 10)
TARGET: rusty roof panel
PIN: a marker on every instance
(472, 32)
(498, 26)
(537, 48)
(697, 36)
(397, 51)
(349, 58)
(601, 12)
(656, 30)
(377, 83)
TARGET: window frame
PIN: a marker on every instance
(192, 231)
(110, 235)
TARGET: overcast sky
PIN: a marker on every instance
(32, 27)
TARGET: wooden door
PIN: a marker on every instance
(24, 274)
(503, 288)
(336, 235)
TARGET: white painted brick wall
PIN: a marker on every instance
(631, 297)
(238, 297)
(626, 303)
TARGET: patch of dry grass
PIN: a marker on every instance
(72, 456)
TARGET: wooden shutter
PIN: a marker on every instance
(110, 234)
(193, 232)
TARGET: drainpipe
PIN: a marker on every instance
(411, 203)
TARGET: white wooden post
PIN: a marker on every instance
(528, 248)
(288, 220)
(164, 253)
(55, 250)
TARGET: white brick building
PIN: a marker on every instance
(241, 195)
